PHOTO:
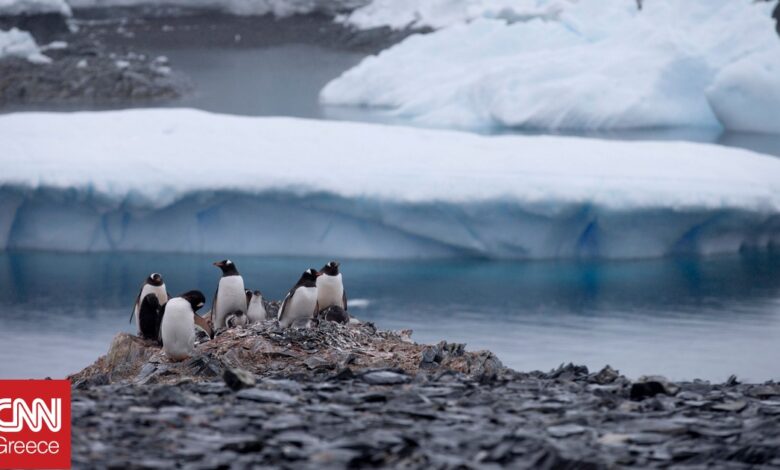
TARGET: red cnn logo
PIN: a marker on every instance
(34, 424)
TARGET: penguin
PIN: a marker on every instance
(255, 308)
(177, 329)
(330, 289)
(236, 318)
(152, 285)
(229, 296)
(334, 313)
(300, 304)
(150, 315)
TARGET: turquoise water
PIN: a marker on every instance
(681, 318)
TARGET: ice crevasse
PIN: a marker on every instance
(191, 181)
(573, 65)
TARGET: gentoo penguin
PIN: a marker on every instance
(178, 324)
(152, 285)
(255, 308)
(150, 315)
(334, 313)
(300, 304)
(230, 294)
(235, 318)
(330, 289)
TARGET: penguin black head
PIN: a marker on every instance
(155, 279)
(309, 278)
(195, 298)
(228, 267)
(331, 269)
(248, 294)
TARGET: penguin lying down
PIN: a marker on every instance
(175, 324)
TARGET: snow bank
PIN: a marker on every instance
(16, 43)
(593, 64)
(281, 8)
(34, 7)
(436, 14)
(186, 180)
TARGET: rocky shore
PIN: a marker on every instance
(99, 57)
(339, 396)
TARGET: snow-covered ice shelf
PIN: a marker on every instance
(572, 64)
(191, 181)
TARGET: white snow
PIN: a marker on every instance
(16, 43)
(186, 180)
(281, 8)
(435, 14)
(591, 64)
(33, 7)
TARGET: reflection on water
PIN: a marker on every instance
(680, 318)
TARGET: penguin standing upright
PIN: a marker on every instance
(152, 285)
(150, 315)
(255, 308)
(230, 296)
(178, 324)
(330, 288)
(300, 304)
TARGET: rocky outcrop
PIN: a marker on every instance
(267, 350)
(350, 396)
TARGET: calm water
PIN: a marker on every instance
(683, 318)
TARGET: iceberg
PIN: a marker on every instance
(181, 180)
(577, 65)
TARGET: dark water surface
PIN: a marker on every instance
(681, 318)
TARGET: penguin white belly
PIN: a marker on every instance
(178, 329)
(301, 306)
(230, 297)
(256, 311)
(330, 291)
(159, 291)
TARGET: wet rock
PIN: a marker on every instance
(237, 379)
(565, 430)
(733, 406)
(385, 377)
(607, 375)
(266, 396)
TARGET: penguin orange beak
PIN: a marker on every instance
(218, 264)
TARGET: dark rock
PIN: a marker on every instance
(642, 390)
(237, 379)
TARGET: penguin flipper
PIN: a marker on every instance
(214, 309)
(283, 307)
(160, 316)
(344, 298)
